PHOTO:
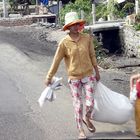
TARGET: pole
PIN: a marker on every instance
(136, 6)
(36, 2)
(93, 12)
(57, 12)
(5, 13)
(59, 7)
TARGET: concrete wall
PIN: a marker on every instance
(130, 40)
(16, 22)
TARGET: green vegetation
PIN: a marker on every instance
(128, 7)
(99, 50)
(137, 22)
(77, 6)
(137, 26)
(101, 11)
(115, 10)
(33, 2)
(101, 53)
(112, 8)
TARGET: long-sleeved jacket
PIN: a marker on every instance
(79, 57)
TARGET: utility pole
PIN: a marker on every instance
(93, 12)
(59, 6)
(136, 6)
(5, 13)
(57, 16)
(36, 2)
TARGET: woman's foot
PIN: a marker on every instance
(89, 124)
(82, 135)
(137, 134)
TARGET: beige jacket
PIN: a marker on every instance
(79, 57)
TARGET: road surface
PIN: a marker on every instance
(25, 57)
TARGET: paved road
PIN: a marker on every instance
(15, 120)
(23, 65)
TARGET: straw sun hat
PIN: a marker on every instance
(72, 18)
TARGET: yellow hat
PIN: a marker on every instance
(72, 18)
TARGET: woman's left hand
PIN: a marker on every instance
(97, 76)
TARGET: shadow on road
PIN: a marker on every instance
(113, 135)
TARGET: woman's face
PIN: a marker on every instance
(74, 28)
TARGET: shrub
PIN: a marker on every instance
(137, 26)
(128, 8)
(101, 11)
(137, 22)
(101, 53)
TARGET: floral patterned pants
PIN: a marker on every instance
(87, 85)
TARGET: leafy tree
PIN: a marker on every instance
(128, 7)
(101, 11)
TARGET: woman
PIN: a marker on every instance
(135, 80)
(78, 52)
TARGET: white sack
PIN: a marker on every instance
(110, 106)
(48, 92)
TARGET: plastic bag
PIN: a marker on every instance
(48, 92)
(110, 106)
(133, 95)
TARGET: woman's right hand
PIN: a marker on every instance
(47, 82)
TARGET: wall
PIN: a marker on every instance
(16, 22)
(130, 40)
(21, 21)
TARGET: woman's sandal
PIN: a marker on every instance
(82, 135)
(90, 126)
(138, 134)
